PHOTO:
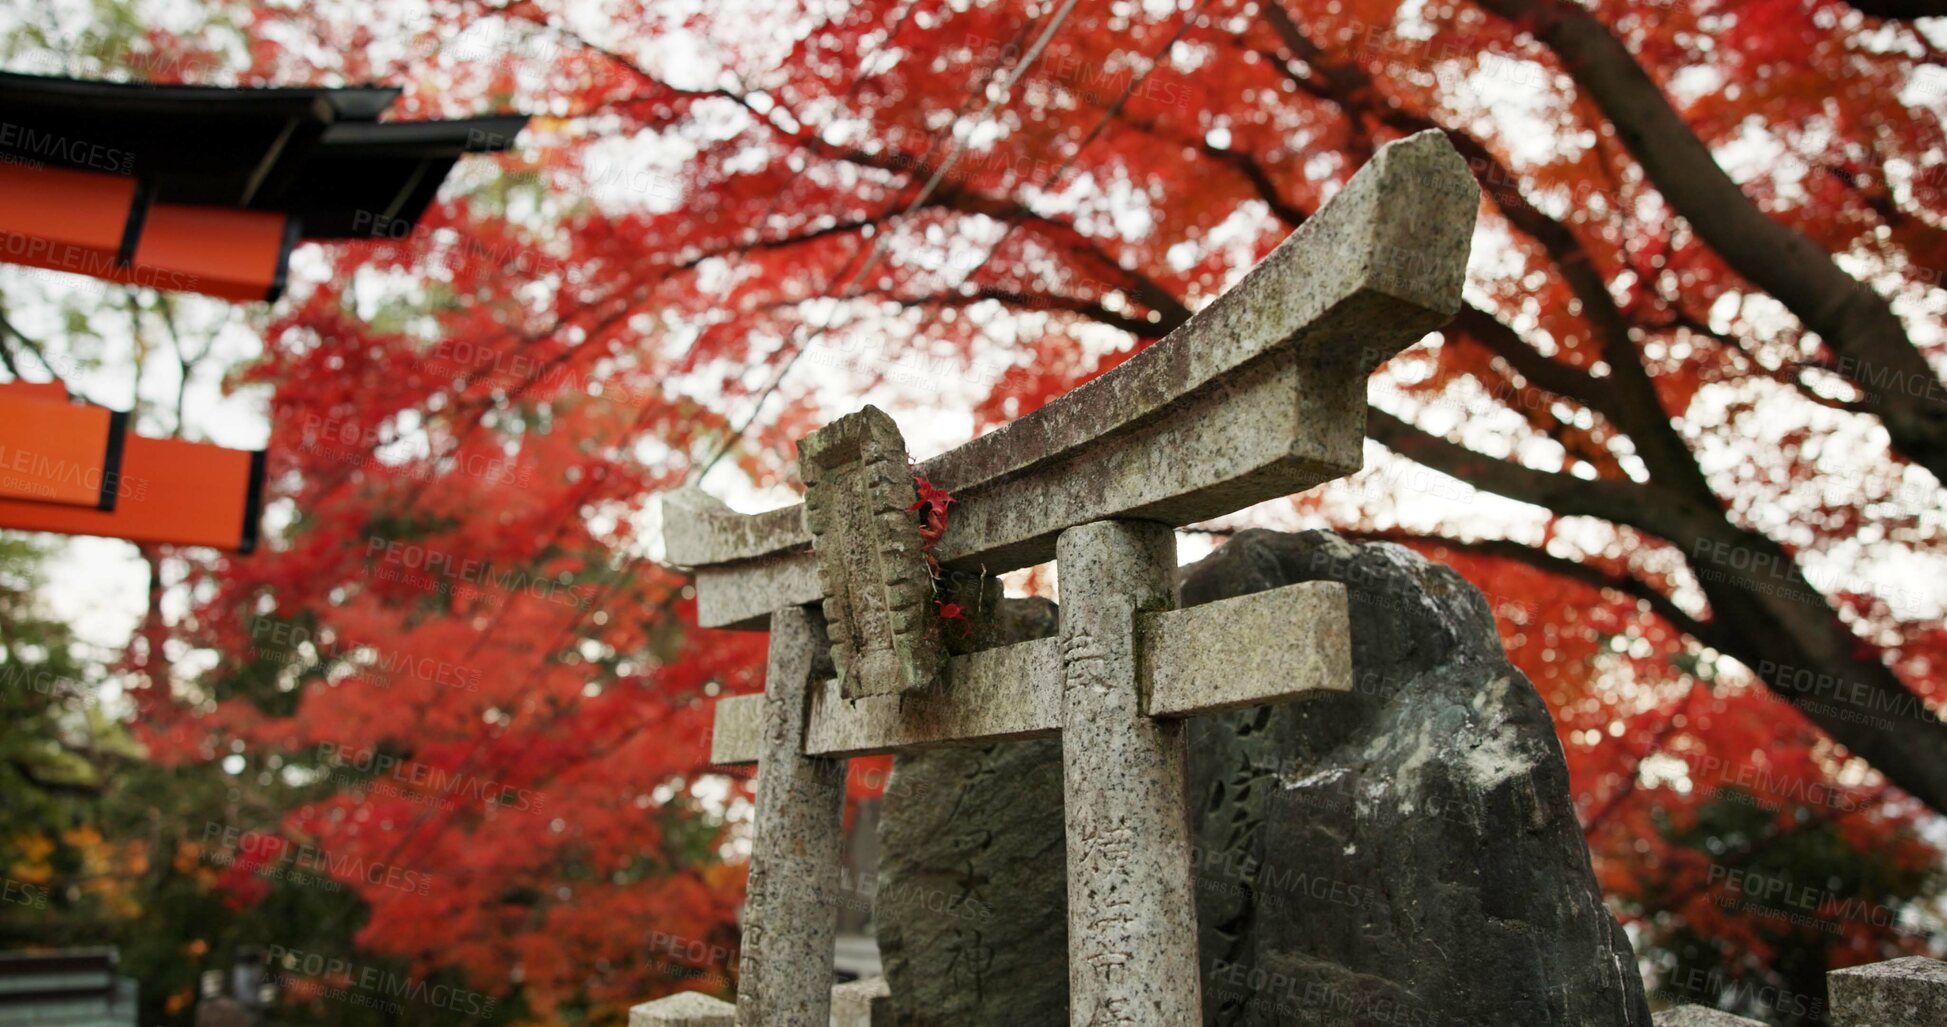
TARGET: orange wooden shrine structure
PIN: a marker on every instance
(194, 189)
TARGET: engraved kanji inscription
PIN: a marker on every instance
(878, 593)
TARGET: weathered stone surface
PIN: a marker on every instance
(699, 530)
(689, 1009)
(971, 909)
(1237, 653)
(1910, 992)
(1286, 643)
(1701, 1016)
(1408, 853)
(999, 694)
(1260, 395)
(737, 729)
(744, 594)
(866, 1003)
(790, 910)
(1323, 899)
(878, 589)
(1132, 956)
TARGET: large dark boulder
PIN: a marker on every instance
(1406, 854)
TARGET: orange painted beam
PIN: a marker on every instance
(171, 492)
(104, 226)
(56, 452)
(64, 220)
(218, 251)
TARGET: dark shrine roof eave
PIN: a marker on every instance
(340, 103)
(318, 154)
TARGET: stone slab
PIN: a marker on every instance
(1382, 262)
(1701, 1016)
(997, 695)
(1274, 428)
(872, 569)
(688, 1009)
(1275, 646)
(1909, 992)
(866, 1003)
(737, 729)
(698, 530)
(743, 595)
(1278, 429)
(994, 695)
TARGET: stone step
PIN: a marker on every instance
(685, 1009)
(1910, 992)
(866, 1003)
(1701, 1016)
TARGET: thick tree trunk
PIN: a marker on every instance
(154, 630)
(1870, 344)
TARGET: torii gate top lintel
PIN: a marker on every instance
(1261, 394)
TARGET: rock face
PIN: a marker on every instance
(1406, 855)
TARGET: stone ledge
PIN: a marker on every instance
(1910, 992)
(866, 1003)
(687, 1009)
(1701, 1016)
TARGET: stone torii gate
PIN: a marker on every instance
(1260, 395)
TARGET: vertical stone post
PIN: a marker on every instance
(791, 911)
(1131, 903)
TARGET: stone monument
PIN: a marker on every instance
(1260, 395)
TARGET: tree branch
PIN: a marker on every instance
(1859, 325)
(1139, 327)
(1610, 499)
(1588, 574)
(1570, 383)
(1628, 397)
